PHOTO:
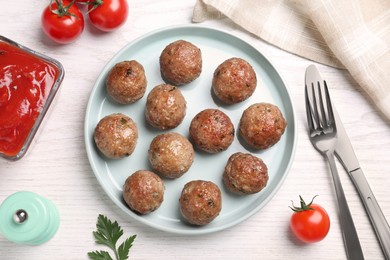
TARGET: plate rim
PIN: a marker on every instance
(204, 229)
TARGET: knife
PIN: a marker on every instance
(346, 155)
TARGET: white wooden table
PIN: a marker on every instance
(58, 169)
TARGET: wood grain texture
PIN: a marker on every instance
(58, 169)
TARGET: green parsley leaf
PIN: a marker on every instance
(124, 248)
(108, 233)
(99, 255)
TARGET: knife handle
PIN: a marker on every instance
(374, 212)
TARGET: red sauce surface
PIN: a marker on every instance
(25, 83)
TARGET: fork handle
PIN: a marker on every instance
(351, 239)
(377, 218)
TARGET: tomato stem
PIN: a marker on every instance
(61, 9)
(95, 4)
(304, 206)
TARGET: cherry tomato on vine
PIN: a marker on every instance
(108, 15)
(310, 222)
(62, 21)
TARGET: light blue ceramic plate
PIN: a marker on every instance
(216, 46)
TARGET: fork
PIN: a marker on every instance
(323, 136)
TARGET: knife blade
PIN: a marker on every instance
(347, 157)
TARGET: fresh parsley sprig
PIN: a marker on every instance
(108, 233)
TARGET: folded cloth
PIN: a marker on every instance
(351, 34)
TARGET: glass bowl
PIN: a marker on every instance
(29, 81)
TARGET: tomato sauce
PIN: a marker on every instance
(25, 83)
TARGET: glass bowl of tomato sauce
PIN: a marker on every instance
(29, 81)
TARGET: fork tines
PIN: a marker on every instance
(319, 108)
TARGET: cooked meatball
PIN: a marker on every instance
(126, 82)
(116, 136)
(180, 63)
(212, 131)
(234, 81)
(171, 154)
(143, 191)
(200, 202)
(245, 174)
(262, 125)
(165, 107)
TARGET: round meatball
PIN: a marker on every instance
(234, 81)
(171, 154)
(126, 82)
(165, 107)
(245, 174)
(143, 191)
(116, 136)
(262, 125)
(200, 202)
(180, 63)
(212, 131)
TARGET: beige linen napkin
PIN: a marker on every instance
(354, 34)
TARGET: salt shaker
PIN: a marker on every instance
(27, 218)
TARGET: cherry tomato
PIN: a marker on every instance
(310, 223)
(108, 15)
(62, 21)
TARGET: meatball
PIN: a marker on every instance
(262, 125)
(200, 202)
(234, 81)
(143, 191)
(126, 82)
(165, 107)
(245, 174)
(171, 154)
(116, 136)
(212, 131)
(180, 63)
